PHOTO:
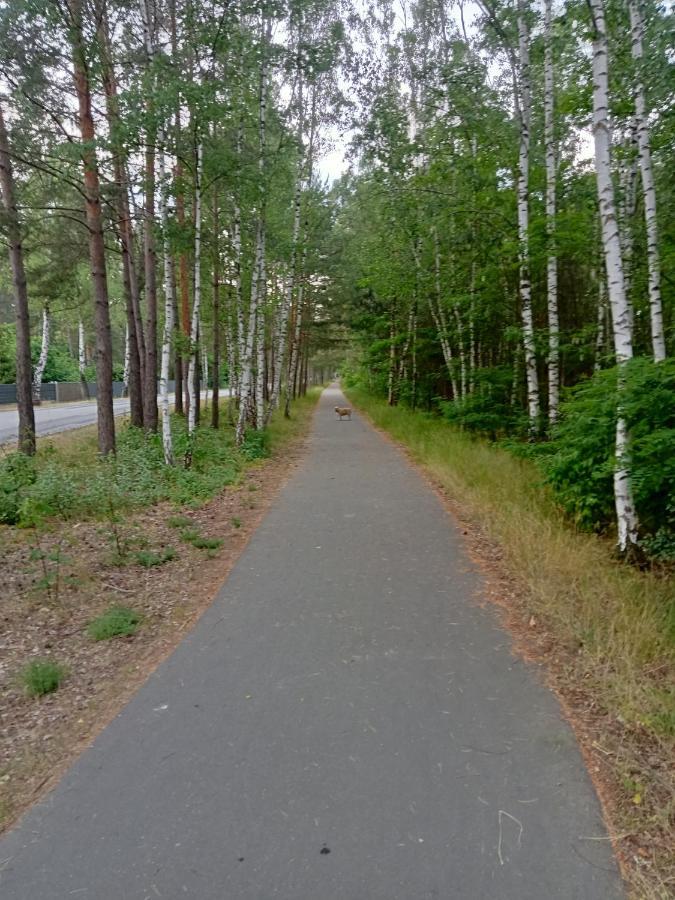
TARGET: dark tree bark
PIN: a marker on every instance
(129, 272)
(24, 387)
(92, 192)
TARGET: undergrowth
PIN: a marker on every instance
(117, 621)
(67, 480)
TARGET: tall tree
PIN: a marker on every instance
(24, 389)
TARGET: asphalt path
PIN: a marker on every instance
(345, 722)
(59, 417)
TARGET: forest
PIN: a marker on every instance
(497, 248)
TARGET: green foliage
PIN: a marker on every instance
(33, 491)
(579, 461)
(179, 522)
(148, 559)
(17, 473)
(206, 543)
(115, 622)
(7, 354)
(42, 676)
(256, 445)
(489, 408)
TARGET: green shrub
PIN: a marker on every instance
(489, 409)
(256, 445)
(579, 461)
(114, 622)
(17, 472)
(42, 676)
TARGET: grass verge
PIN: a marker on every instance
(606, 631)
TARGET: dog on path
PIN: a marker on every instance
(343, 412)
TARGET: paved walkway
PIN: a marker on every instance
(344, 723)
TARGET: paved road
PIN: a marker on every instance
(344, 723)
(52, 419)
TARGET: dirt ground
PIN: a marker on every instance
(40, 737)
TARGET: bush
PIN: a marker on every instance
(256, 445)
(17, 472)
(42, 676)
(489, 409)
(579, 461)
(116, 621)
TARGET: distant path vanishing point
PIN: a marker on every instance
(345, 722)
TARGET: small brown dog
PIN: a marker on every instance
(343, 412)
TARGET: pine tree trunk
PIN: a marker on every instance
(552, 259)
(104, 389)
(648, 190)
(627, 521)
(136, 343)
(24, 388)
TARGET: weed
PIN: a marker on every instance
(205, 543)
(189, 535)
(42, 676)
(50, 561)
(236, 522)
(115, 621)
(179, 522)
(149, 559)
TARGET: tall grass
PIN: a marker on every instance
(619, 622)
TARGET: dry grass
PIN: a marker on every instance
(611, 628)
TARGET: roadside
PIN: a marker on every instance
(600, 630)
(60, 579)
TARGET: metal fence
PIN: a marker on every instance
(67, 391)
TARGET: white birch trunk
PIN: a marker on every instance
(438, 315)
(260, 338)
(552, 259)
(247, 359)
(169, 306)
(523, 108)
(81, 353)
(194, 330)
(127, 362)
(627, 521)
(600, 332)
(44, 353)
(648, 190)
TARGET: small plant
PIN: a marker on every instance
(117, 621)
(206, 543)
(236, 522)
(252, 487)
(189, 535)
(50, 561)
(179, 522)
(42, 676)
(149, 559)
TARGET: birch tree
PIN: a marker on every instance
(552, 260)
(647, 177)
(626, 515)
